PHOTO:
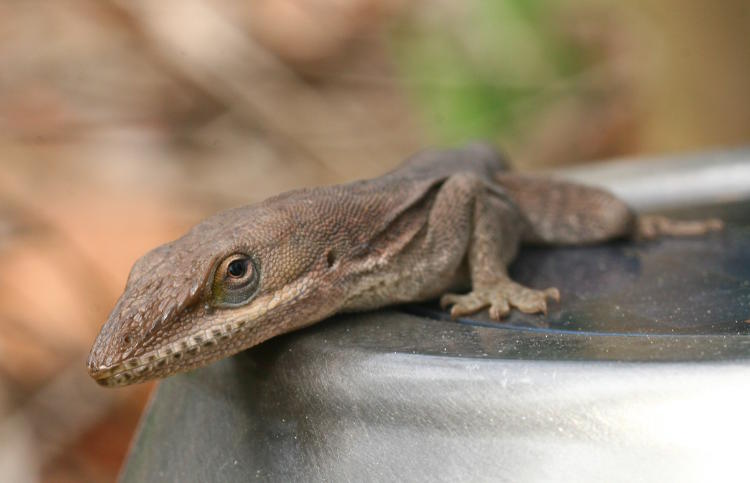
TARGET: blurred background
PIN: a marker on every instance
(122, 123)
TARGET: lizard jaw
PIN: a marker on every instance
(202, 346)
(178, 356)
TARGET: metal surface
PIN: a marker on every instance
(642, 373)
(672, 181)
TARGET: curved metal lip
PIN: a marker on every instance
(589, 333)
(414, 333)
(510, 326)
(660, 182)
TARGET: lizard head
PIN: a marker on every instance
(233, 281)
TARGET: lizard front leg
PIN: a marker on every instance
(497, 229)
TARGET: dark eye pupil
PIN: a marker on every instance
(237, 268)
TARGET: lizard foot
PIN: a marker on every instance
(500, 298)
(653, 226)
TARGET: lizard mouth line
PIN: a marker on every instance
(146, 366)
(181, 355)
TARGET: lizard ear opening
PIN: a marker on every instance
(235, 280)
(330, 258)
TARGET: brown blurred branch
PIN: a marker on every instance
(248, 93)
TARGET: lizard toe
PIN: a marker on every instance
(552, 293)
(535, 306)
(654, 226)
(449, 299)
(500, 308)
(530, 301)
(467, 304)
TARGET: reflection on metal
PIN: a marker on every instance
(641, 373)
(668, 182)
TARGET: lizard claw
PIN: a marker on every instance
(500, 298)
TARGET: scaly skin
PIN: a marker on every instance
(445, 220)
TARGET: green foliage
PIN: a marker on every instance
(478, 73)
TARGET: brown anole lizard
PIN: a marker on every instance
(444, 222)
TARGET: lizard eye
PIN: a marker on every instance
(237, 268)
(235, 280)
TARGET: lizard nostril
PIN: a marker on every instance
(127, 338)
